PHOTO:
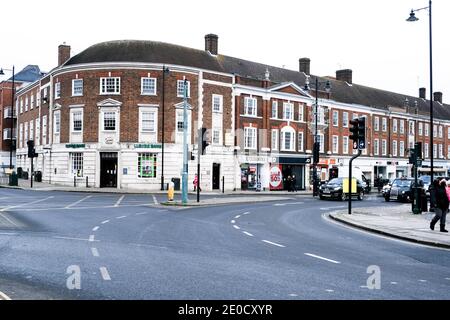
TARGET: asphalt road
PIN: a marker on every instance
(131, 247)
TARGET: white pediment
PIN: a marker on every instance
(181, 106)
(56, 106)
(109, 103)
(291, 84)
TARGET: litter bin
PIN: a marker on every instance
(25, 175)
(417, 203)
(19, 172)
(13, 180)
(176, 184)
(38, 176)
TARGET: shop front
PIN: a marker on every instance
(288, 173)
(254, 172)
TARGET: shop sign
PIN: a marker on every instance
(75, 145)
(253, 159)
(276, 177)
(147, 146)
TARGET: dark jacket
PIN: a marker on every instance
(441, 198)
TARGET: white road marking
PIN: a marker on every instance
(273, 243)
(147, 245)
(321, 258)
(393, 282)
(236, 227)
(141, 213)
(422, 280)
(85, 208)
(8, 234)
(91, 238)
(4, 296)
(154, 199)
(26, 204)
(163, 210)
(9, 220)
(95, 252)
(68, 238)
(77, 202)
(106, 221)
(246, 213)
(233, 221)
(105, 274)
(247, 233)
(293, 295)
(119, 201)
(447, 278)
(279, 204)
(332, 208)
(365, 287)
(95, 228)
(121, 217)
(329, 290)
(237, 217)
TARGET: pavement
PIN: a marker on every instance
(398, 222)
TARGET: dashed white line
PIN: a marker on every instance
(91, 238)
(247, 233)
(4, 296)
(141, 213)
(237, 217)
(447, 278)
(77, 202)
(95, 228)
(422, 280)
(273, 243)
(321, 258)
(233, 221)
(119, 201)
(94, 252)
(393, 282)
(236, 227)
(105, 273)
(68, 238)
(154, 200)
(106, 221)
(279, 204)
(8, 234)
(293, 295)
(246, 213)
(121, 217)
(329, 290)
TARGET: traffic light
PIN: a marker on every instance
(316, 150)
(418, 150)
(358, 133)
(31, 153)
(205, 142)
(412, 156)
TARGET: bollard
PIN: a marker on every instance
(87, 182)
(170, 192)
(223, 184)
(74, 181)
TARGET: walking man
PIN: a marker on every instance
(441, 205)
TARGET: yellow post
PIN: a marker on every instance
(170, 192)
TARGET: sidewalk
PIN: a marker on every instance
(42, 186)
(397, 222)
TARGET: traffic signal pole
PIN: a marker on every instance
(358, 135)
(200, 144)
(350, 179)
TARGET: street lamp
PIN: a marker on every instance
(413, 18)
(12, 114)
(316, 147)
(165, 70)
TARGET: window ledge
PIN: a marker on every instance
(149, 94)
(109, 94)
(250, 116)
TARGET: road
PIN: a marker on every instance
(131, 247)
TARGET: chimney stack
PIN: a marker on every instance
(438, 97)
(211, 43)
(304, 65)
(422, 93)
(63, 53)
(344, 75)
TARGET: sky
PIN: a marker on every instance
(370, 37)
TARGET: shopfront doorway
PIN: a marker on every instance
(216, 176)
(249, 176)
(108, 169)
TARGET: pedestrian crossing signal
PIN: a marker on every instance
(358, 133)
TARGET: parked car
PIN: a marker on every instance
(401, 190)
(333, 189)
(387, 187)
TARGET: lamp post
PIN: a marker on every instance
(184, 191)
(316, 147)
(413, 18)
(165, 70)
(12, 114)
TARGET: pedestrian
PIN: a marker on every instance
(294, 183)
(441, 204)
(289, 183)
(196, 183)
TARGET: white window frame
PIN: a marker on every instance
(427, 129)
(441, 151)
(394, 125)
(250, 140)
(44, 130)
(345, 145)
(215, 138)
(376, 124)
(411, 128)
(180, 89)
(321, 140)
(104, 86)
(288, 109)
(376, 147)
(420, 129)
(32, 101)
(274, 139)
(57, 90)
(435, 131)
(143, 86)
(217, 103)
(402, 126)
(384, 147)
(38, 99)
(76, 163)
(448, 133)
(448, 152)
(153, 117)
(383, 124)
(441, 132)
(57, 122)
(335, 118)
(104, 113)
(253, 106)
(291, 132)
(345, 119)
(402, 148)
(300, 141)
(394, 148)
(147, 156)
(77, 112)
(21, 135)
(76, 89)
(25, 130)
(301, 113)
(335, 144)
(274, 108)
(426, 150)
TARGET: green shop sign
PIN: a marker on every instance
(147, 146)
(75, 146)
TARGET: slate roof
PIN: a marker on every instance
(160, 52)
(30, 73)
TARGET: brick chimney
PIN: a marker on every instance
(438, 97)
(422, 93)
(344, 75)
(63, 53)
(304, 65)
(211, 43)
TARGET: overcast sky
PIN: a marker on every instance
(370, 37)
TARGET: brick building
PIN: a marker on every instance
(99, 116)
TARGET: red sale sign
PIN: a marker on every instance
(276, 177)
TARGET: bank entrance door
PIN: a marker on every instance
(108, 169)
(216, 176)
